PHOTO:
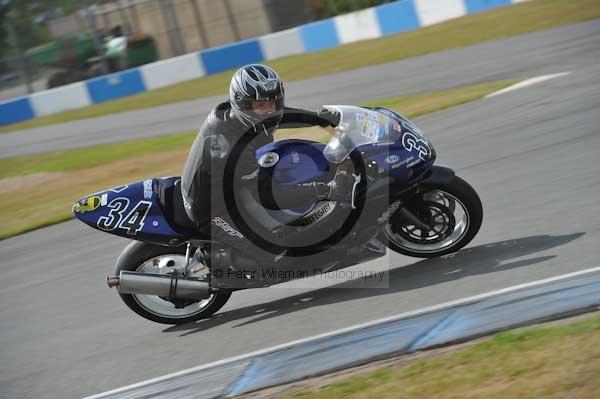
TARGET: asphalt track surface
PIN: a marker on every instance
(520, 57)
(532, 155)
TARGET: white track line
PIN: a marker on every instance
(400, 316)
(527, 83)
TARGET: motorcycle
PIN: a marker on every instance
(173, 274)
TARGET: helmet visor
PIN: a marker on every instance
(263, 108)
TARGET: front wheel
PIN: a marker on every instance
(149, 258)
(449, 216)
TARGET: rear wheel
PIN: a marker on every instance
(148, 258)
(449, 216)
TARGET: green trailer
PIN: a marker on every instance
(76, 57)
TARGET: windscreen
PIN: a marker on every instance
(358, 126)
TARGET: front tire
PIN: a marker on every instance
(140, 257)
(453, 210)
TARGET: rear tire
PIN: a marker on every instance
(458, 193)
(134, 256)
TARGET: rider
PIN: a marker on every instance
(237, 128)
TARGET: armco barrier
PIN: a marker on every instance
(319, 35)
(16, 110)
(72, 96)
(220, 59)
(172, 70)
(281, 44)
(361, 25)
(397, 17)
(117, 85)
(371, 23)
(433, 12)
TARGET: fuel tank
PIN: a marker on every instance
(291, 162)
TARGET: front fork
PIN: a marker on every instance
(410, 202)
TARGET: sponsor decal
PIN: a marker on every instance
(383, 143)
(269, 159)
(148, 191)
(413, 163)
(390, 211)
(90, 204)
(403, 162)
(370, 129)
(373, 124)
(226, 227)
(317, 214)
(295, 157)
(390, 159)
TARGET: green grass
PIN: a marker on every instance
(555, 361)
(88, 157)
(82, 158)
(495, 24)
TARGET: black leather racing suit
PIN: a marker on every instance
(224, 138)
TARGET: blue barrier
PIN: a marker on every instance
(391, 18)
(14, 111)
(226, 57)
(482, 5)
(319, 35)
(397, 17)
(117, 85)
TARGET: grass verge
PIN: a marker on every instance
(38, 190)
(88, 157)
(495, 24)
(554, 361)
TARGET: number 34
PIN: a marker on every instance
(133, 222)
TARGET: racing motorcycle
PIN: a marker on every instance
(172, 273)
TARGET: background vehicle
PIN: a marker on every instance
(77, 58)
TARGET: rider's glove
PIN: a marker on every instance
(330, 117)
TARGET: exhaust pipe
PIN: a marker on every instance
(165, 285)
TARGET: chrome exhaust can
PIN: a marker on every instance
(164, 285)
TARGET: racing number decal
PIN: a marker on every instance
(133, 222)
(411, 141)
(117, 207)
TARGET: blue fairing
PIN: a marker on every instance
(406, 156)
(299, 161)
(132, 211)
